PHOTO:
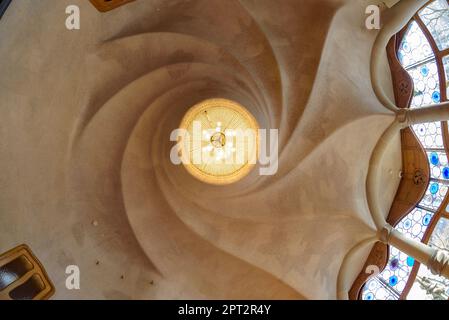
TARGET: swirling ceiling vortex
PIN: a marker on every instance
(286, 235)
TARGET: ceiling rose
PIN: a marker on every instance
(219, 141)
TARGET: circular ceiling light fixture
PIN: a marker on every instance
(218, 141)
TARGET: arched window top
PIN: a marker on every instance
(415, 48)
(436, 19)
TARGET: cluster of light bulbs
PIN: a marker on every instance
(223, 151)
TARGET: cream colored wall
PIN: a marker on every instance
(85, 122)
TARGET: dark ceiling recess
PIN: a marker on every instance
(22, 276)
(3, 6)
(107, 5)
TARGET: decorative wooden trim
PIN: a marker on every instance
(415, 179)
(108, 5)
(35, 269)
(400, 36)
(403, 92)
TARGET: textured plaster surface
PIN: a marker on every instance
(85, 119)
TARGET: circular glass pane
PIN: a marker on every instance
(219, 141)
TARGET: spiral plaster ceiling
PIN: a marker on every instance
(86, 118)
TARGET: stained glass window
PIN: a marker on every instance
(439, 168)
(415, 223)
(436, 18)
(426, 83)
(434, 196)
(418, 59)
(376, 289)
(430, 135)
(415, 47)
(399, 266)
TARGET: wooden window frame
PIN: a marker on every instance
(37, 269)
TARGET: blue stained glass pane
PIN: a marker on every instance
(407, 224)
(446, 173)
(434, 188)
(434, 158)
(425, 71)
(438, 162)
(436, 97)
(393, 281)
(426, 219)
(410, 261)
